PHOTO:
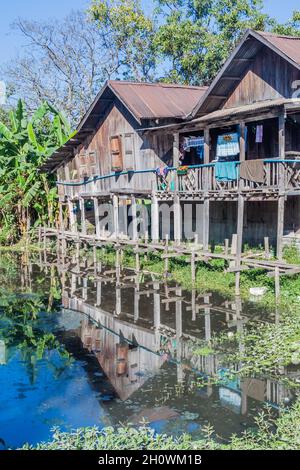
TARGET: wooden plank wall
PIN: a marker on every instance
(139, 153)
(269, 77)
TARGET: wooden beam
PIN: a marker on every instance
(240, 224)
(280, 226)
(176, 156)
(134, 219)
(116, 215)
(154, 219)
(82, 215)
(97, 216)
(177, 219)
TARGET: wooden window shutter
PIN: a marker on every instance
(116, 153)
(129, 151)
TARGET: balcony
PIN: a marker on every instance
(279, 175)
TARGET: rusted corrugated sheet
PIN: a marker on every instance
(157, 101)
(289, 45)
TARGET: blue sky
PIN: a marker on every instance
(10, 43)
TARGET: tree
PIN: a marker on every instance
(198, 35)
(27, 196)
(128, 29)
(64, 62)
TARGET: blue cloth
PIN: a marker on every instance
(197, 143)
(228, 145)
(190, 142)
(226, 171)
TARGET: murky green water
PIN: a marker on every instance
(82, 346)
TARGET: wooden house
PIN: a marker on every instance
(239, 140)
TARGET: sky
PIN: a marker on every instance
(11, 43)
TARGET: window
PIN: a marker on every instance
(116, 153)
(129, 151)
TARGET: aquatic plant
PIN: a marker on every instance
(282, 433)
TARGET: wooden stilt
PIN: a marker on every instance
(177, 220)
(277, 284)
(134, 219)
(267, 247)
(240, 223)
(97, 217)
(82, 216)
(116, 216)
(206, 224)
(154, 219)
(280, 226)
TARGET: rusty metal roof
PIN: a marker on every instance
(145, 101)
(289, 45)
(157, 100)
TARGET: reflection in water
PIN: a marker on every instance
(133, 360)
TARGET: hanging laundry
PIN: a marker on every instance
(228, 145)
(253, 170)
(259, 134)
(226, 171)
(192, 142)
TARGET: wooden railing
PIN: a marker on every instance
(278, 174)
(284, 174)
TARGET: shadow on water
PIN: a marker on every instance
(90, 345)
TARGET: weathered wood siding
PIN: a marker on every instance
(268, 77)
(139, 152)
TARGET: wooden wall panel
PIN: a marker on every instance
(268, 77)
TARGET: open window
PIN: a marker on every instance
(116, 153)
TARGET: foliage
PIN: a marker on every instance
(64, 62)
(282, 433)
(27, 196)
(184, 41)
(131, 32)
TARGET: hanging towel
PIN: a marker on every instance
(228, 145)
(253, 170)
(259, 134)
(226, 171)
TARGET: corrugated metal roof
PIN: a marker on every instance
(289, 45)
(143, 100)
(158, 100)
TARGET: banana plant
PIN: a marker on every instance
(27, 196)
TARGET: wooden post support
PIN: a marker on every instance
(277, 284)
(267, 247)
(193, 268)
(240, 223)
(97, 217)
(177, 220)
(82, 215)
(205, 223)
(280, 226)
(242, 142)
(72, 217)
(166, 259)
(137, 261)
(116, 215)
(134, 219)
(154, 219)
(176, 157)
(226, 246)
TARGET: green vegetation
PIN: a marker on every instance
(191, 39)
(280, 434)
(27, 197)
(211, 276)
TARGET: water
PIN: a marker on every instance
(113, 350)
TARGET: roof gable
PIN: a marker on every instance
(238, 62)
